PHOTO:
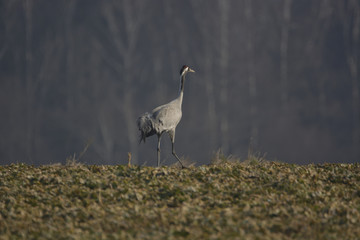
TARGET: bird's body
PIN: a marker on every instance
(161, 119)
(164, 118)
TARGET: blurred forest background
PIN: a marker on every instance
(282, 76)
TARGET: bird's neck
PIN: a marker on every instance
(181, 90)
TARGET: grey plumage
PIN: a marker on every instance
(164, 118)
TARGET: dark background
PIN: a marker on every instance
(280, 77)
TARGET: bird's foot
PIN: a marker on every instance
(183, 167)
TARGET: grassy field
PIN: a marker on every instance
(248, 200)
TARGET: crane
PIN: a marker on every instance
(164, 118)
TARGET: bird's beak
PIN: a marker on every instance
(190, 70)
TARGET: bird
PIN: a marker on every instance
(164, 118)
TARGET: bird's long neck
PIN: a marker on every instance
(181, 90)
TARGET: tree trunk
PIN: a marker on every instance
(131, 129)
(69, 51)
(206, 59)
(251, 73)
(353, 62)
(224, 61)
(212, 129)
(284, 41)
(28, 4)
(351, 25)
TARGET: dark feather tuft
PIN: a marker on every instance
(146, 126)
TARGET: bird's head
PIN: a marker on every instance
(185, 69)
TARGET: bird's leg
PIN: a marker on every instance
(172, 137)
(173, 152)
(158, 150)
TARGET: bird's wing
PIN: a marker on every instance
(166, 116)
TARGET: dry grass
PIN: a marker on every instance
(229, 199)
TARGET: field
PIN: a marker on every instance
(228, 200)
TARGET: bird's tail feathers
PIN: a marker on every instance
(145, 125)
